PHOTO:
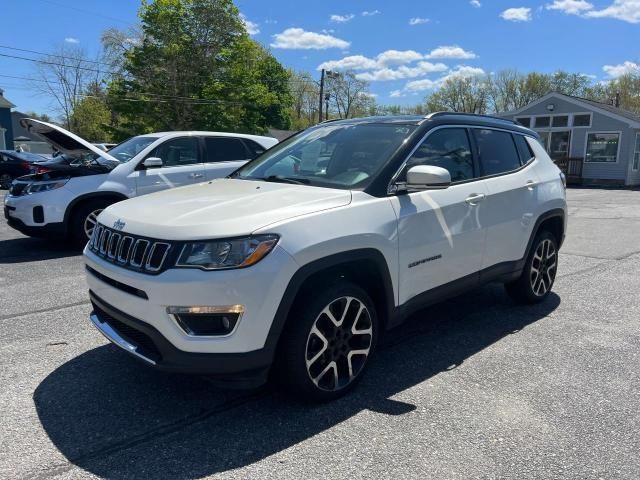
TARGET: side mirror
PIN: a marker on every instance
(427, 177)
(153, 162)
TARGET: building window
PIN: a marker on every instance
(636, 153)
(582, 120)
(524, 121)
(602, 147)
(560, 121)
(542, 122)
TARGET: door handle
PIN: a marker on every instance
(531, 184)
(475, 198)
(196, 175)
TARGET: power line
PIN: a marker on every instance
(53, 55)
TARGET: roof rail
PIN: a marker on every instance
(465, 114)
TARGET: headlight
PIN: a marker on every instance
(37, 187)
(224, 254)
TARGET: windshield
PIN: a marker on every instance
(127, 150)
(335, 156)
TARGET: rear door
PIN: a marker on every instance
(182, 165)
(441, 232)
(508, 163)
(223, 155)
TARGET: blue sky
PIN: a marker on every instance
(404, 48)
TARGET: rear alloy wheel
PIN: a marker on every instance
(539, 273)
(327, 343)
(5, 181)
(91, 221)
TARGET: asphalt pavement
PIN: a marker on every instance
(476, 387)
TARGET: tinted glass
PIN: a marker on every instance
(582, 120)
(497, 151)
(542, 122)
(523, 149)
(560, 121)
(337, 156)
(254, 147)
(225, 149)
(177, 152)
(447, 148)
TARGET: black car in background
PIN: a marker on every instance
(16, 164)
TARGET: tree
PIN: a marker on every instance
(64, 76)
(39, 116)
(305, 94)
(349, 95)
(195, 67)
(461, 94)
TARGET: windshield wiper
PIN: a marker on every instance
(281, 179)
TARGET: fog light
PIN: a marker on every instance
(207, 321)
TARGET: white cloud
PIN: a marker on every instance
(521, 14)
(354, 62)
(386, 74)
(298, 38)
(396, 94)
(341, 18)
(397, 57)
(370, 13)
(625, 10)
(418, 21)
(475, 3)
(71, 40)
(461, 71)
(572, 7)
(615, 71)
(451, 51)
(252, 28)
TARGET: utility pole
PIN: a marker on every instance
(321, 95)
(327, 96)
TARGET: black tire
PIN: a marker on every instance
(80, 217)
(5, 181)
(539, 272)
(299, 344)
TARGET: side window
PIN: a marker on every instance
(523, 149)
(254, 147)
(497, 151)
(225, 149)
(177, 152)
(447, 148)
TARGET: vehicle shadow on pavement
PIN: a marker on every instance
(26, 249)
(115, 418)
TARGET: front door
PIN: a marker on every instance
(181, 166)
(558, 147)
(441, 232)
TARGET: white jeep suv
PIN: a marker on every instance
(66, 200)
(301, 260)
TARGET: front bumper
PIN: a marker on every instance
(142, 302)
(144, 342)
(19, 211)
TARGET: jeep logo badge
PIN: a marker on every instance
(118, 224)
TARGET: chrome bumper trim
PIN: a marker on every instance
(114, 337)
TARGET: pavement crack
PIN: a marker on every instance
(144, 437)
(44, 310)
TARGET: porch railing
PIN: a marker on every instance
(571, 167)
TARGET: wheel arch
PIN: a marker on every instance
(365, 267)
(118, 197)
(553, 221)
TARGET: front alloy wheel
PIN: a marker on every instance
(329, 337)
(339, 343)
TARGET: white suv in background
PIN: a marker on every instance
(67, 200)
(300, 261)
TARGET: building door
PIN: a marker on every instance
(3, 143)
(558, 146)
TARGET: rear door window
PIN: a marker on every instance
(225, 149)
(496, 151)
(254, 147)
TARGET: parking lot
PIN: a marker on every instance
(476, 387)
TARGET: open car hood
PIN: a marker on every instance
(62, 139)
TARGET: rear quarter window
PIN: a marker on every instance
(526, 154)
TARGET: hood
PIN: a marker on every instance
(219, 209)
(62, 139)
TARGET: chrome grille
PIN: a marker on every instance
(129, 251)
